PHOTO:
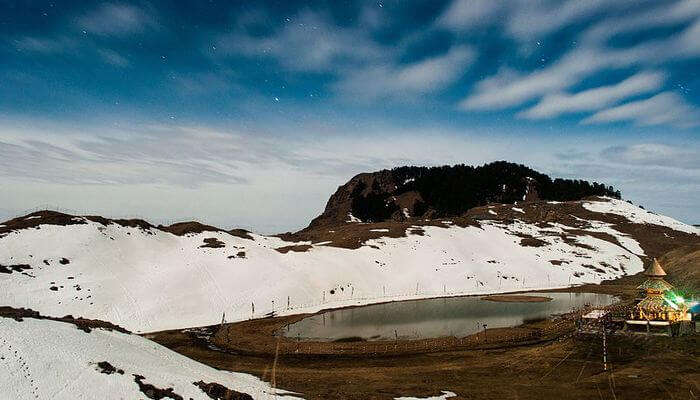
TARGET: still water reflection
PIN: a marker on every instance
(429, 318)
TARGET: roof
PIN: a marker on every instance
(654, 303)
(655, 269)
(655, 284)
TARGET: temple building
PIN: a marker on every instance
(659, 308)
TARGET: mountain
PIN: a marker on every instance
(448, 191)
(150, 278)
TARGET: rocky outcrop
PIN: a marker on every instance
(407, 193)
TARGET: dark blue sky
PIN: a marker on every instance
(233, 111)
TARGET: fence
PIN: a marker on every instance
(561, 327)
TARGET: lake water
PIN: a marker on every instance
(430, 318)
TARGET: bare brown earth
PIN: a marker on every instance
(84, 324)
(566, 368)
(654, 239)
(518, 299)
(539, 360)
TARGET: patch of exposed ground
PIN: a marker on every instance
(217, 391)
(8, 269)
(36, 219)
(106, 368)
(300, 248)
(184, 228)
(84, 324)
(153, 392)
(213, 243)
(241, 233)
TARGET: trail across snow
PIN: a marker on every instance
(42, 359)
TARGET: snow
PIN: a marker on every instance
(55, 360)
(492, 212)
(352, 218)
(637, 214)
(596, 314)
(33, 217)
(520, 210)
(379, 230)
(153, 280)
(406, 214)
(445, 395)
(409, 180)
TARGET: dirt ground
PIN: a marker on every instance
(518, 299)
(570, 367)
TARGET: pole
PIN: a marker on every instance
(605, 350)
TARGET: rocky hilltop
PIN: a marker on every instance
(448, 191)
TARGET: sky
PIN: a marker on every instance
(251, 114)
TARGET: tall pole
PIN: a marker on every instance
(605, 349)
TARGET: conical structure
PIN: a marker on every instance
(655, 270)
(656, 283)
(654, 306)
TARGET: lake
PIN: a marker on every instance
(431, 318)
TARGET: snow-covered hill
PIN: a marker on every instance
(148, 279)
(44, 359)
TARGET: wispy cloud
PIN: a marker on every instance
(45, 45)
(594, 99)
(523, 19)
(307, 42)
(510, 88)
(113, 58)
(463, 15)
(117, 19)
(654, 154)
(385, 81)
(664, 108)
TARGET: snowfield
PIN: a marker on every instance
(152, 280)
(43, 359)
(637, 214)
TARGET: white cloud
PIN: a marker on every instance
(112, 19)
(523, 19)
(664, 108)
(509, 89)
(308, 42)
(594, 99)
(424, 76)
(654, 154)
(664, 14)
(534, 18)
(44, 45)
(467, 14)
(113, 58)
